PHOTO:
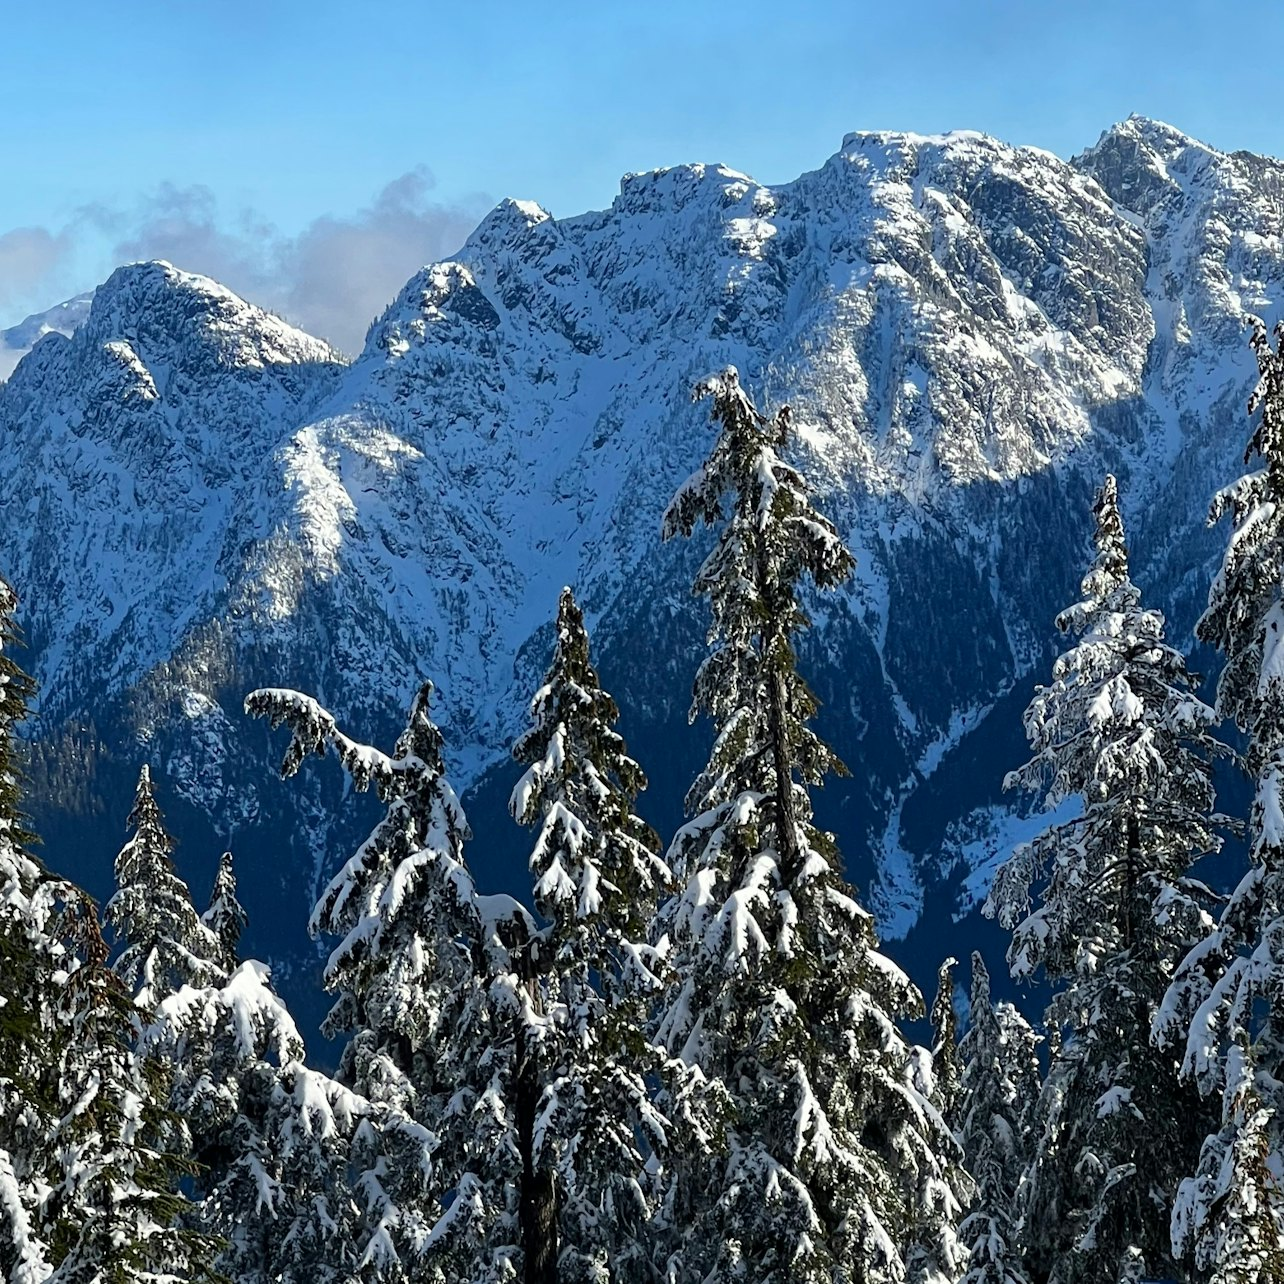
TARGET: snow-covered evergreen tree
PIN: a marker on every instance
(936, 1255)
(779, 993)
(1225, 1011)
(273, 1139)
(165, 943)
(32, 961)
(114, 1206)
(225, 918)
(598, 879)
(945, 1033)
(1120, 727)
(427, 995)
(998, 1088)
(16, 690)
(89, 1157)
(32, 1036)
(1228, 1214)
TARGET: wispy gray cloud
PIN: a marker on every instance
(340, 273)
(332, 278)
(28, 257)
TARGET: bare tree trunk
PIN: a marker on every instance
(537, 1196)
(768, 639)
(1131, 862)
(791, 848)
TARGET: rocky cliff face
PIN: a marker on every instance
(132, 452)
(204, 499)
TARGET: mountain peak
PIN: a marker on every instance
(1140, 162)
(63, 317)
(161, 310)
(134, 282)
(673, 187)
(863, 139)
(508, 224)
(1157, 135)
(900, 154)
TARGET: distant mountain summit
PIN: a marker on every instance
(18, 340)
(200, 498)
(131, 450)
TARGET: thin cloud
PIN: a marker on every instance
(29, 256)
(332, 278)
(181, 224)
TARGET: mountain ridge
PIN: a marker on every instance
(969, 335)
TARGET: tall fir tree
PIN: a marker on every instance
(427, 994)
(945, 1036)
(272, 1139)
(16, 690)
(998, 1088)
(936, 1255)
(116, 1210)
(32, 960)
(1224, 1010)
(165, 943)
(598, 879)
(779, 994)
(1119, 726)
(90, 1159)
(225, 918)
(1228, 1214)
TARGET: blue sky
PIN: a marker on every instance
(276, 142)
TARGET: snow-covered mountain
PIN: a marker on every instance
(18, 340)
(200, 499)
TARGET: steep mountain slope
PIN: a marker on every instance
(1213, 226)
(129, 446)
(541, 378)
(969, 334)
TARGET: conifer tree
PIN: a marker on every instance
(16, 690)
(598, 880)
(999, 1086)
(945, 1053)
(273, 1139)
(426, 992)
(89, 1158)
(1228, 1213)
(936, 1255)
(225, 918)
(165, 943)
(933, 1252)
(1121, 727)
(1224, 1011)
(115, 1209)
(779, 994)
(31, 960)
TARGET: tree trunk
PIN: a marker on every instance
(537, 1196)
(790, 847)
(769, 639)
(1131, 862)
